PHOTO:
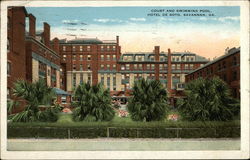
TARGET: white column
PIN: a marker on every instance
(35, 70)
(69, 81)
(48, 75)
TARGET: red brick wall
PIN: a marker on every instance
(16, 35)
(225, 73)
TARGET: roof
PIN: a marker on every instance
(230, 52)
(82, 41)
(148, 54)
(60, 91)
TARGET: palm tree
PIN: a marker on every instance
(93, 103)
(149, 102)
(34, 94)
(11, 105)
(208, 100)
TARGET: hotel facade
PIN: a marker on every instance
(226, 67)
(64, 64)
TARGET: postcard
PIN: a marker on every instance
(124, 79)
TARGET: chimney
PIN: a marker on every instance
(32, 25)
(169, 76)
(56, 45)
(157, 57)
(46, 34)
(117, 40)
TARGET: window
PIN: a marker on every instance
(108, 57)
(102, 48)
(88, 48)
(165, 66)
(127, 66)
(74, 57)
(108, 67)
(108, 81)
(191, 66)
(81, 48)
(81, 78)
(64, 57)
(152, 66)
(89, 78)
(74, 79)
(186, 66)
(123, 67)
(8, 68)
(173, 66)
(135, 66)
(173, 59)
(177, 59)
(152, 58)
(192, 59)
(108, 48)
(48, 72)
(234, 60)
(64, 99)
(8, 45)
(187, 59)
(64, 48)
(162, 58)
(114, 82)
(102, 66)
(114, 66)
(81, 67)
(89, 67)
(74, 48)
(114, 57)
(81, 57)
(148, 66)
(114, 47)
(178, 66)
(140, 66)
(89, 57)
(74, 67)
(161, 66)
(102, 57)
(219, 66)
(102, 78)
(224, 64)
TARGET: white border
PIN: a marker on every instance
(242, 154)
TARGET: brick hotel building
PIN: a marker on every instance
(29, 53)
(64, 64)
(227, 67)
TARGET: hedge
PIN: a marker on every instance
(121, 132)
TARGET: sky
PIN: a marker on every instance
(208, 33)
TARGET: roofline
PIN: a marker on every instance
(218, 59)
(43, 45)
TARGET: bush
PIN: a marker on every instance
(149, 101)
(93, 103)
(208, 100)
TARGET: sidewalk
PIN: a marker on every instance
(113, 144)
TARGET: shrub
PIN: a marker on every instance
(208, 100)
(149, 101)
(34, 94)
(93, 103)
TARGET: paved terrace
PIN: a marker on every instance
(123, 144)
